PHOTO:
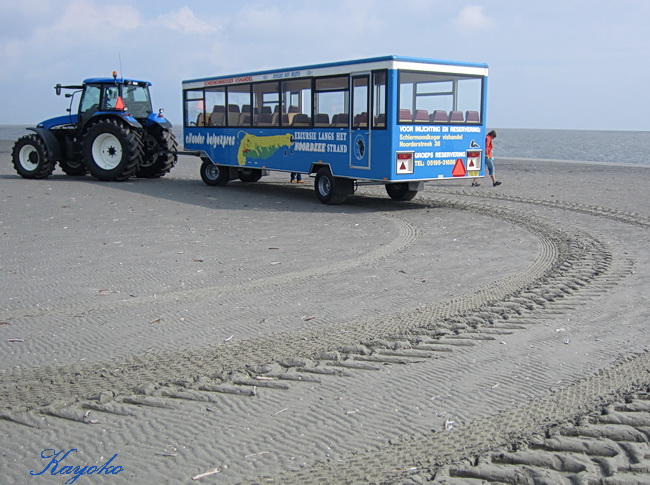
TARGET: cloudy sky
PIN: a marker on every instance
(569, 64)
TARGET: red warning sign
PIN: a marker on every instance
(459, 169)
(404, 162)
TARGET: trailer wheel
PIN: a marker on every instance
(30, 158)
(112, 150)
(400, 191)
(74, 168)
(249, 174)
(157, 161)
(328, 188)
(213, 174)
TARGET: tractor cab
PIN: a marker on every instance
(129, 98)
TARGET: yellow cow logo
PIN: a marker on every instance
(261, 147)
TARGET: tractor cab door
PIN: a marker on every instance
(109, 97)
(89, 103)
(137, 100)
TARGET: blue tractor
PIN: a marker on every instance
(114, 135)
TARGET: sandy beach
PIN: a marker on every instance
(178, 333)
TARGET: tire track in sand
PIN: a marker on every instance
(33, 387)
(407, 235)
(569, 261)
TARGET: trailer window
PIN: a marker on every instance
(215, 104)
(379, 99)
(194, 108)
(331, 96)
(360, 101)
(239, 105)
(439, 98)
(266, 100)
(296, 103)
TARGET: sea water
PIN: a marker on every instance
(620, 147)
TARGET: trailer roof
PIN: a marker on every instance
(383, 61)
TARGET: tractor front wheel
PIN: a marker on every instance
(112, 150)
(30, 158)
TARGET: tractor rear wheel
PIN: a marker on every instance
(112, 150)
(30, 158)
(157, 161)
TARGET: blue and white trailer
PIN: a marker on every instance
(392, 120)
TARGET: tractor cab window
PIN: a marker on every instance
(136, 99)
(110, 97)
(89, 101)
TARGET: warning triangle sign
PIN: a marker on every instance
(402, 167)
(459, 169)
(119, 104)
(471, 164)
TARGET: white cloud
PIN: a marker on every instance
(79, 24)
(473, 19)
(420, 6)
(81, 18)
(183, 20)
(79, 34)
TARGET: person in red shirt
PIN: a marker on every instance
(489, 160)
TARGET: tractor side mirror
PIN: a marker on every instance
(57, 88)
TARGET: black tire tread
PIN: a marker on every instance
(400, 191)
(334, 197)
(249, 174)
(165, 140)
(222, 177)
(46, 165)
(132, 149)
(72, 169)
